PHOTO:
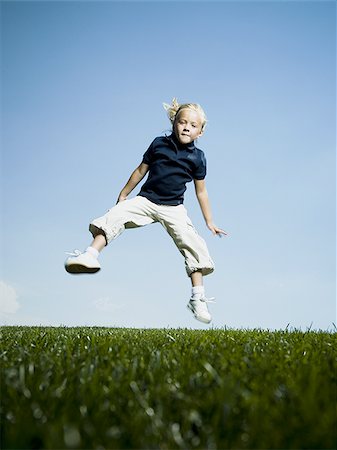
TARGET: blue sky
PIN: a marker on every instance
(82, 91)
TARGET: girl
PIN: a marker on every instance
(170, 162)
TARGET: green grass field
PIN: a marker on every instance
(110, 388)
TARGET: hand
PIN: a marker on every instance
(121, 198)
(216, 231)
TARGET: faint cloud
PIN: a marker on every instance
(8, 299)
(105, 304)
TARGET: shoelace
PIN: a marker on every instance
(208, 300)
(205, 299)
(74, 253)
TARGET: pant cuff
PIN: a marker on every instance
(204, 270)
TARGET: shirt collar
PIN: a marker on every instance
(179, 146)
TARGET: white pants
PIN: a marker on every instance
(140, 211)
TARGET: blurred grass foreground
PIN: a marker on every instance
(116, 388)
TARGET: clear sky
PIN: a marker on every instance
(82, 91)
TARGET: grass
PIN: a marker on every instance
(110, 388)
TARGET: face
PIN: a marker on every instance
(187, 126)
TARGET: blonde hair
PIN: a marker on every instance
(173, 110)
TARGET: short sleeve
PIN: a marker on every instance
(148, 155)
(201, 169)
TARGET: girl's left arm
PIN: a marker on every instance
(202, 196)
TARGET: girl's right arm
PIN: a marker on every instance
(136, 177)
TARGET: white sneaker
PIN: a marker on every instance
(80, 262)
(199, 308)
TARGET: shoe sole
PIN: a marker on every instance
(78, 269)
(201, 319)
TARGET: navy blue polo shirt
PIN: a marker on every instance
(172, 165)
